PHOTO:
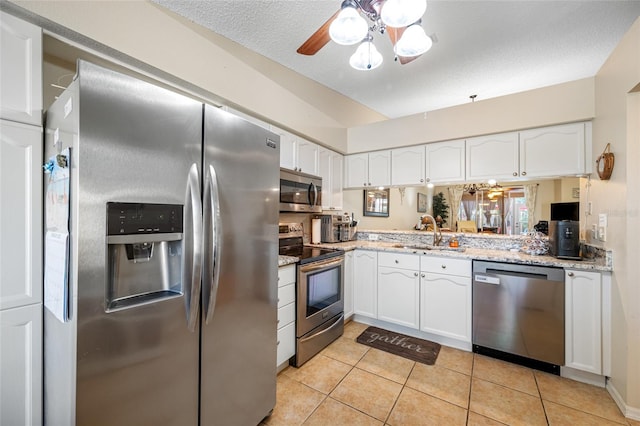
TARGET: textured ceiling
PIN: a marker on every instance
(483, 48)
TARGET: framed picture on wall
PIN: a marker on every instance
(422, 202)
(376, 202)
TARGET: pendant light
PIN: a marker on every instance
(366, 56)
(413, 42)
(400, 13)
(349, 27)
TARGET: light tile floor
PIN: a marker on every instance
(353, 384)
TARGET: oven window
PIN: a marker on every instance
(323, 289)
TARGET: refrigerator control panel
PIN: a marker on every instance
(143, 218)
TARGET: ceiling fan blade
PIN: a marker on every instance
(394, 35)
(318, 39)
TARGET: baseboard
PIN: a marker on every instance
(632, 413)
(583, 376)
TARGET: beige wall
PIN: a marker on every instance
(563, 103)
(617, 123)
(225, 71)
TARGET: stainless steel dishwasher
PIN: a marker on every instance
(518, 314)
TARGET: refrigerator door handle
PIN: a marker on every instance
(213, 245)
(192, 248)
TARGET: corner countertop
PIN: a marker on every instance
(287, 260)
(471, 253)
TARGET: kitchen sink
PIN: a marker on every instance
(425, 247)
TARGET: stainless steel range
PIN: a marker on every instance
(319, 293)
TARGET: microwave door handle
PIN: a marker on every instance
(213, 235)
(314, 188)
(192, 248)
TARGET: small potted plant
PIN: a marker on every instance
(440, 209)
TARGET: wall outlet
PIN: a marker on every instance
(602, 233)
(373, 237)
(594, 232)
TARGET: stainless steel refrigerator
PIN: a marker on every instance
(172, 261)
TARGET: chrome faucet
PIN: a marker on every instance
(437, 234)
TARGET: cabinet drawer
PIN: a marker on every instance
(399, 260)
(286, 275)
(286, 343)
(286, 295)
(445, 266)
(286, 315)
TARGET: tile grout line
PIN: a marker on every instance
(544, 409)
(404, 385)
(473, 364)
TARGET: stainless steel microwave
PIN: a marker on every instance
(300, 192)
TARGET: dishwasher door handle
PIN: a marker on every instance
(485, 279)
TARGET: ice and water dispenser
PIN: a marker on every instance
(144, 253)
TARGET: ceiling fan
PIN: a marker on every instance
(400, 19)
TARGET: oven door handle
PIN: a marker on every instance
(326, 330)
(321, 265)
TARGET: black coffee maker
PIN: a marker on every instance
(564, 239)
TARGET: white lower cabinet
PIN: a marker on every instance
(399, 289)
(286, 313)
(21, 365)
(399, 296)
(365, 283)
(348, 284)
(583, 321)
(445, 297)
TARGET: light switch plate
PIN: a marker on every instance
(602, 227)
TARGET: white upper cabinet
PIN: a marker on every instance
(356, 170)
(307, 157)
(556, 150)
(20, 70)
(296, 153)
(330, 170)
(380, 168)
(445, 162)
(364, 170)
(407, 166)
(492, 157)
(536, 153)
(288, 149)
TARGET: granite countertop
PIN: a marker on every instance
(287, 260)
(474, 254)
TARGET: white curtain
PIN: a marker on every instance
(455, 196)
(530, 193)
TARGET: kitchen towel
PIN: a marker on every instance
(316, 231)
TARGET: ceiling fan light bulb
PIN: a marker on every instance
(400, 13)
(413, 42)
(366, 57)
(349, 27)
